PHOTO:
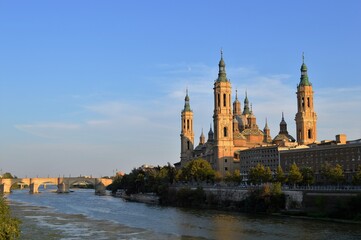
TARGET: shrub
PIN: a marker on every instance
(9, 226)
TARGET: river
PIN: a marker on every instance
(83, 215)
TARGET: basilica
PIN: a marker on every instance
(236, 129)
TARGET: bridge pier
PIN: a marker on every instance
(63, 188)
(99, 187)
(34, 188)
(5, 187)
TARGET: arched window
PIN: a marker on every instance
(224, 100)
(188, 145)
(309, 133)
(225, 132)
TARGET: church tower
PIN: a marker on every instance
(187, 134)
(223, 120)
(306, 117)
(237, 106)
(267, 133)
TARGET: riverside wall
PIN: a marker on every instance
(294, 199)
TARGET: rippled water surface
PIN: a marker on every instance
(83, 215)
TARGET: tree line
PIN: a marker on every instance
(157, 178)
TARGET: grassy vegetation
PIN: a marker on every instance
(9, 226)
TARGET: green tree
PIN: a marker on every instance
(9, 226)
(326, 171)
(258, 174)
(280, 175)
(115, 184)
(294, 175)
(308, 176)
(236, 176)
(7, 175)
(267, 175)
(356, 179)
(332, 174)
(218, 177)
(337, 174)
(198, 170)
(228, 177)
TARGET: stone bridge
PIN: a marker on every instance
(63, 183)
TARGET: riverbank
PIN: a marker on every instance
(325, 206)
(149, 198)
(30, 227)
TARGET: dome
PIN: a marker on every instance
(242, 121)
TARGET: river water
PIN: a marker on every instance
(83, 215)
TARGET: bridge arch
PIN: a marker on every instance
(80, 180)
(35, 183)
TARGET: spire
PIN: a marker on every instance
(236, 106)
(222, 77)
(202, 139)
(210, 134)
(283, 125)
(187, 107)
(246, 106)
(304, 77)
(266, 125)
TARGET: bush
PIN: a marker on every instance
(269, 199)
(9, 227)
(186, 197)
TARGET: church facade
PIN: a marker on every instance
(236, 129)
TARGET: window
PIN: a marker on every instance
(308, 102)
(303, 102)
(219, 100)
(188, 145)
(225, 160)
(225, 132)
(224, 100)
(187, 124)
(309, 133)
(226, 169)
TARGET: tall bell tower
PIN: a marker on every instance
(187, 134)
(306, 117)
(223, 120)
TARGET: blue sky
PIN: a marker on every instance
(88, 87)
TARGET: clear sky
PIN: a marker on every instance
(88, 87)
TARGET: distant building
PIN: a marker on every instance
(238, 143)
(346, 154)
